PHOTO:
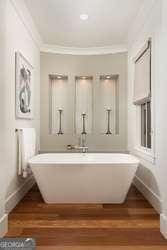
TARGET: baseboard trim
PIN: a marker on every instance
(153, 198)
(18, 194)
(163, 225)
(3, 225)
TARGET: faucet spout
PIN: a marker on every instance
(84, 149)
(82, 145)
(83, 140)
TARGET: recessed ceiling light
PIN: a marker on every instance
(83, 17)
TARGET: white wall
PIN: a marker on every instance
(84, 65)
(17, 37)
(3, 218)
(151, 22)
(162, 117)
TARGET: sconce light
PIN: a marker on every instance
(58, 77)
(84, 78)
(108, 77)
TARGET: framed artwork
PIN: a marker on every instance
(24, 88)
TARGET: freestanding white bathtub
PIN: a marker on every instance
(84, 178)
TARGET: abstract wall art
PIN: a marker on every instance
(24, 88)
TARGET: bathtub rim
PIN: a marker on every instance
(37, 161)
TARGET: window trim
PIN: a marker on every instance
(147, 154)
(145, 127)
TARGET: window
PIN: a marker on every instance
(146, 124)
(142, 96)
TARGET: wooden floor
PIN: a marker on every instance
(133, 225)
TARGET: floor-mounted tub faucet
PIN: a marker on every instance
(82, 145)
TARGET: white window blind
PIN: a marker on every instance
(142, 81)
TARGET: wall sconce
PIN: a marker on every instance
(84, 78)
(108, 77)
(58, 77)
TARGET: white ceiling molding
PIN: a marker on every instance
(27, 20)
(84, 51)
(108, 24)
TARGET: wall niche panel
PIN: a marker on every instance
(106, 105)
(83, 104)
(61, 112)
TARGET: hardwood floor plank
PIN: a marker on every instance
(101, 248)
(52, 216)
(118, 237)
(14, 232)
(40, 204)
(85, 224)
(131, 208)
(128, 226)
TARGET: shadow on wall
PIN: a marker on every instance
(147, 183)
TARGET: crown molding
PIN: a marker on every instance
(84, 51)
(25, 17)
(27, 21)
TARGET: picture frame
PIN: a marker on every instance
(24, 87)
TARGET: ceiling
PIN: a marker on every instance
(58, 21)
